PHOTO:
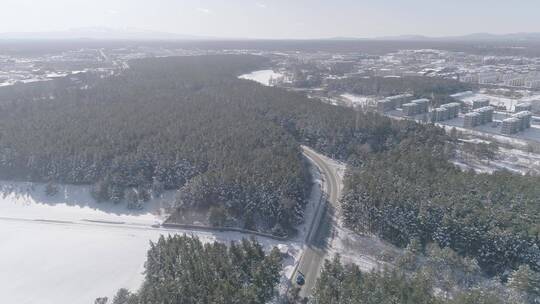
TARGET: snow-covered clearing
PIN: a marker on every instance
(513, 160)
(73, 203)
(67, 249)
(368, 252)
(358, 100)
(52, 263)
(264, 77)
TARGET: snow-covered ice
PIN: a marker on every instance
(50, 263)
(73, 203)
(68, 249)
(63, 263)
(53, 251)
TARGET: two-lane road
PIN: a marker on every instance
(314, 249)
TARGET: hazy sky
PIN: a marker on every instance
(276, 18)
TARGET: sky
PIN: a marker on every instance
(276, 19)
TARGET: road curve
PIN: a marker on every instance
(314, 253)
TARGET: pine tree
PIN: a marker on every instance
(526, 280)
(51, 189)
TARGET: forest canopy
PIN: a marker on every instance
(182, 269)
(413, 192)
(184, 123)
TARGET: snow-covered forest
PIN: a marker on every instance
(444, 279)
(413, 192)
(231, 148)
(229, 145)
(163, 124)
(206, 273)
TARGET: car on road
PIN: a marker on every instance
(300, 279)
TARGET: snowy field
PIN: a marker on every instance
(513, 160)
(67, 249)
(264, 77)
(10, 81)
(368, 252)
(74, 203)
(358, 100)
(52, 263)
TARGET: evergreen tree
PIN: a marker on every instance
(526, 280)
(181, 269)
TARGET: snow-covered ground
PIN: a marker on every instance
(59, 263)
(357, 100)
(368, 252)
(73, 203)
(264, 77)
(62, 263)
(67, 249)
(14, 79)
(513, 160)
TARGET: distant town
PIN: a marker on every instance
(502, 95)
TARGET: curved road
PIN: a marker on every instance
(314, 249)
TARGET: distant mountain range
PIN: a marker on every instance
(101, 33)
(469, 37)
(104, 33)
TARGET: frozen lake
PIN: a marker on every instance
(55, 263)
(54, 250)
(68, 249)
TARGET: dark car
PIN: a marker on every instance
(300, 279)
